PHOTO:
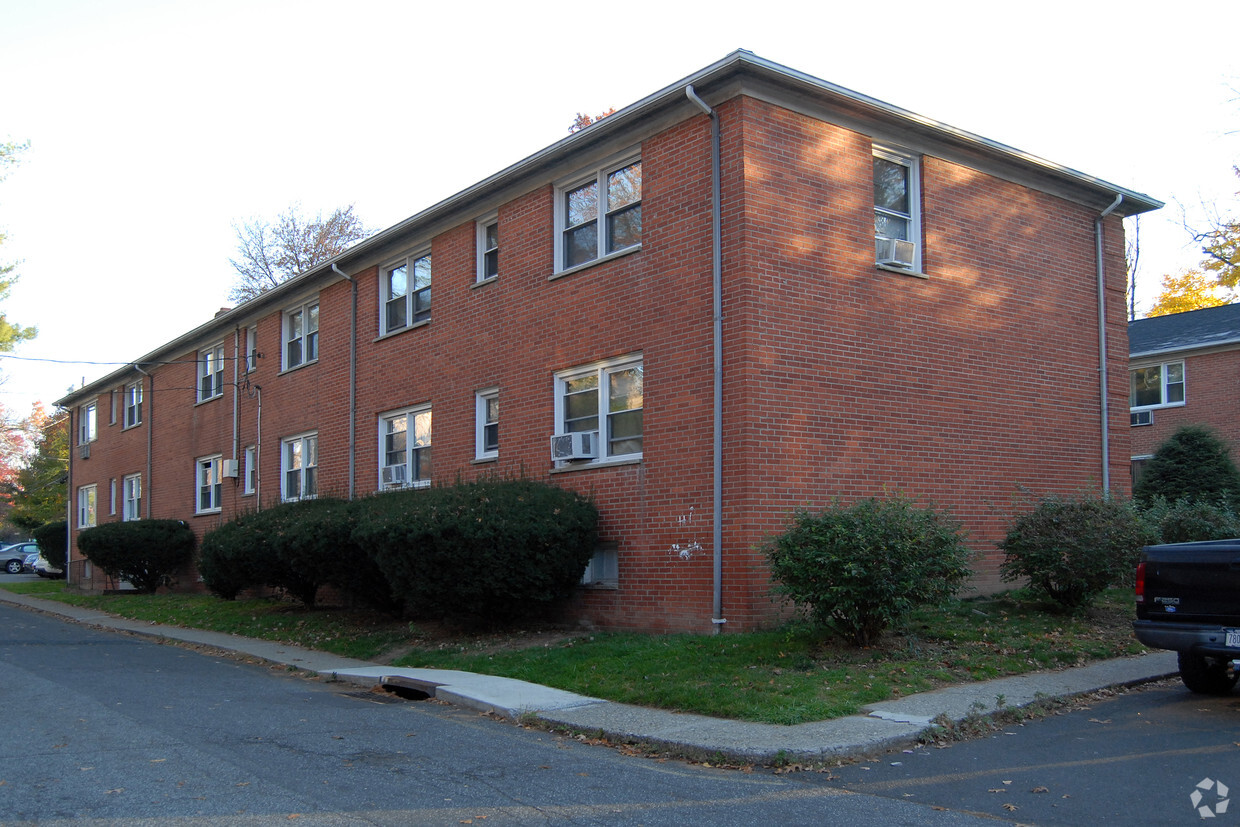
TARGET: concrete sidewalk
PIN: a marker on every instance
(887, 724)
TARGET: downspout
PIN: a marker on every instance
(352, 382)
(70, 506)
(1102, 345)
(236, 397)
(149, 398)
(258, 449)
(716, 271)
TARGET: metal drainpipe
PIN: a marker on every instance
(150, 436)
(352, 382)
(716, 268)
(70, 506)
(236, 397)
(258, 449)
(1102, 345)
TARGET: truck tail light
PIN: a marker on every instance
(1140, 582)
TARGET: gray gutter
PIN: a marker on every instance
(1163, 351)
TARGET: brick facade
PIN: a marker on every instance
(841, 379)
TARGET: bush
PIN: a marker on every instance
(1194, 464)
(53, 540)
(236, 556)
(1073, 550)
(493, 550)
(863, 567)
(1187, 520)
(143, 552)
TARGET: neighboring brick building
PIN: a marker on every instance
(955, 357)
(1185, 369)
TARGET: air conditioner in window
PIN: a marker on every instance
(894, 252)
(230, 468)
(1142, 418)
(84, 451)
(580, 445)
(395, 475)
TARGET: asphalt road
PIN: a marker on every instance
(1135, 757)
(113, 729)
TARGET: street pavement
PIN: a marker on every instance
(884, 725)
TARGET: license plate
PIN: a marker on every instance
(1233, 637)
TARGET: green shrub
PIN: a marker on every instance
(1072, 550)
(1187, 520)
(493, 550)
(143, 552)
(861, 568)
(236, 556)
(1195, 464)
(53, 540)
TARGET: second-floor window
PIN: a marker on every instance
(406, 293)
(488, 248)
(251, 348)
(301, 335)
(211, 373)
(133, 404)
(600, 214)
(897, 231)
(87, 423)
(1155, 386)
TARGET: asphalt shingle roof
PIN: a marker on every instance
(1210, 327)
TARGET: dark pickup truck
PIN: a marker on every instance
(1188, 600)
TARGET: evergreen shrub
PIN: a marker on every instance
(143, 552)
(53, 540)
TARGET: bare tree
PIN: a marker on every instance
(270, 253)
(1132, 256)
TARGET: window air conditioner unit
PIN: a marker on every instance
(1142, 418)
(894, 252)
(394, 474)
(580, 445)
(230, 468)
(84, 450)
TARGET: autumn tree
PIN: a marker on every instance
(10, 334)
(39, 492)
(272, 252)
(1221, 246)
(582, 120)
(1187, 290)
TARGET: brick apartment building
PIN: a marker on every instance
(1185, 370)
(749, 292)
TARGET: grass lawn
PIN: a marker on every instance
(788, 676)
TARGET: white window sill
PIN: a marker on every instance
(399, 331)
(903, 271)
(1157, 407)
(209, 399)
(485, 460)
(636, 248)
(298, 367)
(566, 467)
(131, 427)
(485, 282)
(208, 512)
(602, 585)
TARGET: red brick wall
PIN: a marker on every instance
(841, 380)
(1211, 397)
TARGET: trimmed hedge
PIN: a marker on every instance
(1187, 520)
(1194, 463)
(493, 550)
(861, 568)
(1073, 550)
(53, 540)
(143, 552)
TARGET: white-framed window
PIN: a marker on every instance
(88, 426)
(299, 467)
(87, 506)
(131, 497)
(133, 404)
(405, 448)
(406, 292)
(488, 248)
(251, 348)
(599, 214)
(209, 484)
(603, 570)
(112, 407)
(301, 335)
(250, 471)
(211, 373)
(607, 399)
(486, 429)
(897, 208)
(112, 496)
(1156, 386)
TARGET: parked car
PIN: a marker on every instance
(28, 563)
(46, 569)
(14, 557)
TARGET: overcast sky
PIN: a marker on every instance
(154, 126)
